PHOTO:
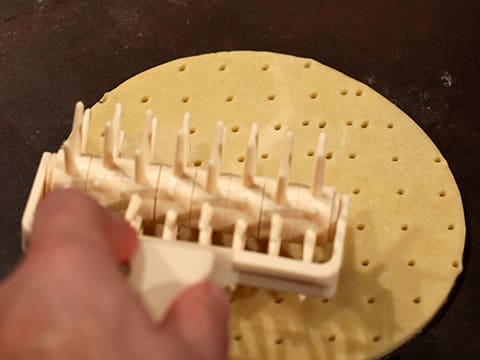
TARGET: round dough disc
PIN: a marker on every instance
(406, 228)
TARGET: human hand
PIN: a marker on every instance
(68, 299)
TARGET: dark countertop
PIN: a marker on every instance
(423, 56)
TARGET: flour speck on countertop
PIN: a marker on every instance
(447, 79)
(370, 79)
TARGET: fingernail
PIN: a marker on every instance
(125, 238)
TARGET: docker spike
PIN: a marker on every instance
(251, 157)
(319, 170)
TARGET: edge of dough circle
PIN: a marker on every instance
(406, 228)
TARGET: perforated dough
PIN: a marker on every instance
(406, 226)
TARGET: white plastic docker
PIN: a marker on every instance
(172, 201)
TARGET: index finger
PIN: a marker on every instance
(68, 217)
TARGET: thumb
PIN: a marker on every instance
(199, 321)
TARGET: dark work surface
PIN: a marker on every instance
(423, 56)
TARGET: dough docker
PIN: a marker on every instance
(199, 224)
